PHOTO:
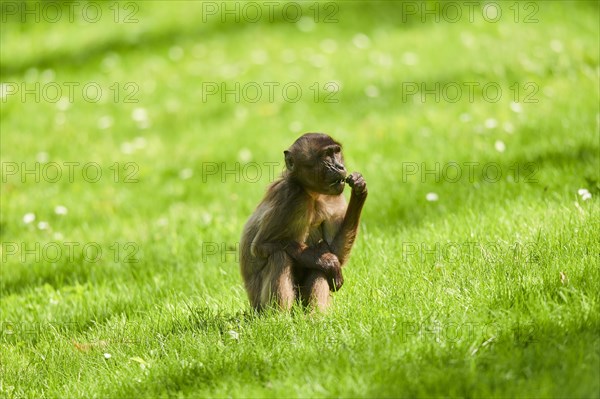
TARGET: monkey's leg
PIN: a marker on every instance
(318, 258)
(277, 282)
(315, 291)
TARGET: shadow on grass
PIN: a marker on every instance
(363, 12)
(410, 211)
(56, 275)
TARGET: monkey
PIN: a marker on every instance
(295, 243)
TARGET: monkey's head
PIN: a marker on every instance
(316, 162)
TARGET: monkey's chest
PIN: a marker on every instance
(322, 229)
(322, 223)
(314, 234)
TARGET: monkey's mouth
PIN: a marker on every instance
(338, 182)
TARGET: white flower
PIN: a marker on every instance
(516, 107)
(490, 123)
(372, 91)
(42, 157)
(186, 173)
(139, 142)
(245, 155)
(584, 194)
(499, 146)
(328, 46)
(175, 53)
(582, 191)
(431, 197)
(42, 225)
(63, 104)
(139, 114)
(28, 218)
(162, 222)
(107, 355)
(105, 122)
(556, 46)
(60, 210)
(465, 117)
(306, 24)
(127, 148)
(206, 218)
(259, 57)
(362, 41)
(295, 126)
(409, 58)
(241, 113)
(233, 334)
(508, 127)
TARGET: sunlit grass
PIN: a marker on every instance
(474, 286)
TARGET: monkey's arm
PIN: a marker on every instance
(315, 257)
(318, 257)
(331, 257)
(344, 239)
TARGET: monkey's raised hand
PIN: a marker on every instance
(358, 184)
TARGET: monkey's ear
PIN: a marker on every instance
(289, 162)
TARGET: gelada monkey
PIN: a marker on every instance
(297, 240)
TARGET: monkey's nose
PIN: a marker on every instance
(340, 169)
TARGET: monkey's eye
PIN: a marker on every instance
(329, 152)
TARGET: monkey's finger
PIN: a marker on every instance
(352, 178)
(359, 181)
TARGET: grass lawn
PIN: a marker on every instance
(137, 138)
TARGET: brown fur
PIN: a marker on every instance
(300, 235)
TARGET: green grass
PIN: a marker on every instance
(491, 291)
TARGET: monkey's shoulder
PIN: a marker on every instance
(281, 213)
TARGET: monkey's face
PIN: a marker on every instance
(333, 171)
(323, 171)
(317, 163)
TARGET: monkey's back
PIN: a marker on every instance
(250, 264)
